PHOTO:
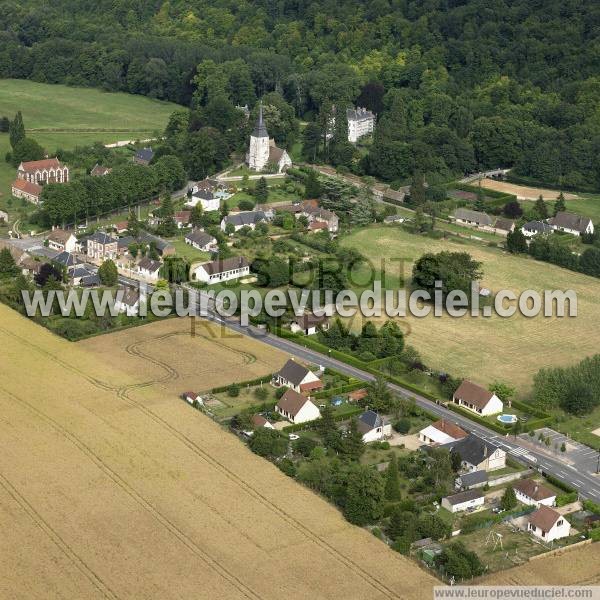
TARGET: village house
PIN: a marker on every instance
(326, 219)
(504, 226)
(149, 269)
(120, 227)
(129, 303)
(143, 156)
(206, 198)
(309, 324)
(102, 246)
(208, 184)
(296, 408)
(260, 421)
(477, 399)
(468, 500)
(466, 216)
(373, 427)
(67, 260)
(361, 122)
(477, 454)
(535, 228)
(225, 269)
(263, 150)
(533, 493)
(548, 525)
(30, 266)
(243, 219)
(99, 171)
(163, 248)
(78, 274)
(441, 432)
(297, 377)
(201, 241)
(62, 241)
(571, 223)
(357, 395)
(182, 218)
(469, 481)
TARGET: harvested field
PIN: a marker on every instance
(112, 488)
(523, 192)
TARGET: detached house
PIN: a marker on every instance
(309, 323)
(201, 241)
(477, 399)
(571, 223)
(296, 408)
(150, 269)
(297, 377)
(468, 500)
(548, 525)
(244, 219)
(441, 432)
(477, 454)
(221, 270)
(62, 241)
(128, 301)
(143, 156)
(373, 427)
(533, 493)
(535, 228)
(466, 216)
(99, 171)
(102, 246)
(206, 198)
(361, 122)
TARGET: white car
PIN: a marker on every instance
(294, 437)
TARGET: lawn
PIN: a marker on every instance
(494, 348)
(186, 251)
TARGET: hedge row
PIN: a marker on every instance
(342, 389)
(565, 499)
(559, 484)
(311, 424)
(490, 424)
(250, 382)
(465, 187)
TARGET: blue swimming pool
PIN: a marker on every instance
(507, 419)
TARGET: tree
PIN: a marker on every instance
(458, 562)
(312, 186)
(560, 205)
(196, 218)
(108, 273)
(328, 430)
(392, 480)
(352, 445)
(509, 499)
(311, 138)
(47, 272)
(512, 209)
(504, 391)
(540, 208)
(268, 443)
(364, 496)
(516, 242)
(480, 201)
(417, 189)
(580, 399)
(261, 191)
(27, 149)
(133, 225)
(8, 266)
(379, 395)
(16, 130)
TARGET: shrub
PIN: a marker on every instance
(565, 499)
(233, 390)
(261, 393)
(280, 392)
(402, 425)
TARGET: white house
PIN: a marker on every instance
(149, 269)
(128, 301)
(297, 377)
(62, 241)
(441, 432)
(361, 122)
(471, 499)
(206, 198)
(221, 270)
(535, 228)
(309, 323)
(477, 454)
(296, 408)
(244, 219)
(260, 421)
(533, 493)
(373, 427)
(477, 399)
(201, 241)
(548, 525)
(571, 223)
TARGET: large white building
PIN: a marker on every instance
(361, 122)
(263, 150)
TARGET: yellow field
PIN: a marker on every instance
(111, 487)
(495, 348)
(524, 192)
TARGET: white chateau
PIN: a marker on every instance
(263, 150)
(361, 122)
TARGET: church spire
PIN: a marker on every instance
(260, 130)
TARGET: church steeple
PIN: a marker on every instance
(260, 129)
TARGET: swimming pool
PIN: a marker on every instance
(507, 419)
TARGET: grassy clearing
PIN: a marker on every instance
(489, 349)
(186, 251)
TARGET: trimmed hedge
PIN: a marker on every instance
(490, 424)
(559, 484)
(565, 499)
(343, 389)
(263, 379)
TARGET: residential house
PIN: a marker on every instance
(67, 260)
(260, 421)
(548, 525)
(128, 301)
(201, 241)
(61, 240)
(143, 156)
(297, 377)
(26, 190)
(206, 198)
(30, 266)
(373, 427)
(361, 122)
(477, 454)
(182, 218)
(321, 216)
(504, 226)
(123, 244)
(225, 269)
(535, 228)
(469, 481)
(78, 274)
(468, 500)
(102, 246)
(99, 171)
(477, 399)
(243, 219)
(192, 398)
(309, 323)
(121, 227)
(317, 226)
(571, 223)
(296, 408)
(209, 185)
(149, 269)
(358, 395)
(533, 493)
(466, 216)
(441, 432)
(163, 247)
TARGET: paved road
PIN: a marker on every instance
(587, 484)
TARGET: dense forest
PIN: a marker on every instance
(456, 84)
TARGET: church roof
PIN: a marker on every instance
(260, 129)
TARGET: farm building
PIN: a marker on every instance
(471, 499)
(548, 525)
(297, 377)
(504, 226)
(477, 399)
(296, 408)
(533, 493)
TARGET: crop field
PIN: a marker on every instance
(523, 192)
(111, 487)
(488, 349)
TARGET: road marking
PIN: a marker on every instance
(518, 451)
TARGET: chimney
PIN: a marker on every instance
(485, 451)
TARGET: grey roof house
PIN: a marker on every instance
(473, 217)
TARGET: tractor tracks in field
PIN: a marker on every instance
(122, 393)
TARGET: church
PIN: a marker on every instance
(263, 150)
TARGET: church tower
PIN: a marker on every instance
(258, 153)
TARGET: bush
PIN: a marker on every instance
(233, 390)
(246, 205)
(402, 425)
(565, 499)
(280, 392)
(261, 393)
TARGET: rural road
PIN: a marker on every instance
(586, 483)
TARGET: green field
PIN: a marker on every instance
(488, 349)
(59, 116)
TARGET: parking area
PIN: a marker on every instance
(582, 457)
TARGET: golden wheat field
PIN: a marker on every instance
(111, 487)
(523, 192)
